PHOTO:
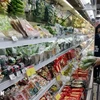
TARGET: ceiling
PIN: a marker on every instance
(95, 6)
(78, 6)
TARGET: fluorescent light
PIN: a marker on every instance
(90, 13)
(98, 15)
(80, 15)
(84, 2)
(68, 3)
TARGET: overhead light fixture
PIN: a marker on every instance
(84, 2)
(90, 13)
(68, 3)
(98, 15)
(79, 14)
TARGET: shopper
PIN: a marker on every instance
(97, 63)
(97, 51)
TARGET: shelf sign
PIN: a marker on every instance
(62, 72)
(58, 77)
(14, 38)
(18, 73)
(30, 71)
(57, 97)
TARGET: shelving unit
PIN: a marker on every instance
(90, 87)
(6, 83)
(40, 65)
(54, 21)
(22, 42)
(9, 43)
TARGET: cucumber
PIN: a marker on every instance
(16, 7)
(20, 2)
(19, 10)
(13, 2)
(88, 59)
(86, 66)
(19, 13)
(19, 6)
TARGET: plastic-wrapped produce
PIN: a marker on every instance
(6, 28)
(25, 28)
(39, 12)
(87, 62)
(50, 14)
(31, 32)
(16, 25)
(16, 7)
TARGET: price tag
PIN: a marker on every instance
(12, 76)
(14, 38)
(18, 74)
(23, 71)
(58, 97)
(62, 72)
(30, 71)
(58, 77)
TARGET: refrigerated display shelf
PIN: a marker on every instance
(7, 83)
(21, 42)
(42, 92)
(42, 64)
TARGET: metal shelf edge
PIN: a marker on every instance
(7, 44)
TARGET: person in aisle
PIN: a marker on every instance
(97, 51)
(97, 63)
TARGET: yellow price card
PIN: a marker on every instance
(58, 77)
(30, 71)
(57, 97)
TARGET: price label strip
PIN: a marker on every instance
(18, 73)
(12, 76)
(14, 38)
(57, 97)
(23, 71)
